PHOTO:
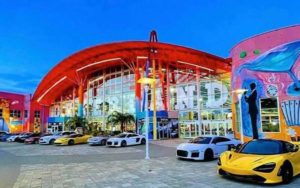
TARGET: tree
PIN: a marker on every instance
(120, 118)
(75, 122)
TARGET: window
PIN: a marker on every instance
(1, 112)
(220, 139)
(269, 115)
(15, 113)
(288, 147)
(132, 135)
(201, 140)
(37, 114)
(262, 147)
(25, 113)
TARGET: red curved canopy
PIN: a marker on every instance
(84, 62)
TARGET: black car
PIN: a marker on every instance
(22, 138)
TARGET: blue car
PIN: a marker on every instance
(4, 137)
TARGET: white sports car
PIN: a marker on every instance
(205, 147)
(97, 141)
(126, 139)
(51, 138)
(14, 137)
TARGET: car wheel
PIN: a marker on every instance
(103, 142)
(287, 173)
(143, 141)
(123, 143)
(36, 142)
(208, 155)
(71, 142)
(51, 142)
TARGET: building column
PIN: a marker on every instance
(153, 97)
(80, 98)
(199, 102)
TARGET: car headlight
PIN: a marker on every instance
(269, 167)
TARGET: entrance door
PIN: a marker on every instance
(184, 130)
(54, 128)
(207, 127)
(189, 129)
(164, 131)
(194, 129)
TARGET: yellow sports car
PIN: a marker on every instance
(72, 139)
(263, 161)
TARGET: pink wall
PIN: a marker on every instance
(280, 48)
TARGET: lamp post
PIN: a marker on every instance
(240, 93)
(146, 82)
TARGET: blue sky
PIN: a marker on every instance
(36, 35)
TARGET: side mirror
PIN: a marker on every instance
(232, 147)
(296, 148)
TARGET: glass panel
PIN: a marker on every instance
(237, 116)
(269, 115)
(222, 129)
(214, 128)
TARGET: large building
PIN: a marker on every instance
(191, 94)
(195, 93)
(19, 114)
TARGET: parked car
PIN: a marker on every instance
(22, 138)
(4, 136)
(2, 132)
(126, 139)
(98, 140)
(205, 147)
(263, 161)
(51, 138)
(34, 139)
(72, 139)
(12, 138)
(16, 137)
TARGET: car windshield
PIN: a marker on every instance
(262, 147)
(47, 134)
(121, 136)
(200, 140)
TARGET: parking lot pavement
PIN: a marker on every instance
(39, 150)
(170, 142)
(158, 172)
(107, 167)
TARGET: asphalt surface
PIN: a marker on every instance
(45, 166)
(10, 164)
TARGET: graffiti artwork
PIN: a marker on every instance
(270, 107)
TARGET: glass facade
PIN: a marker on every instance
(112, 90)
(204, 107)
(199, 103)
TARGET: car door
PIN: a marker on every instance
(133, 139)
(75, 138)
(294, 156)
(220, 145)
(80, 138)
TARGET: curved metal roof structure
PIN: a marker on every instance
(85, 62)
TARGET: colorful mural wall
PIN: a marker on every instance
(19, 114)
(268, 67)
(12, 108)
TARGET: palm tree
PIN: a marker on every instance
(75, 122)
(120, 118)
